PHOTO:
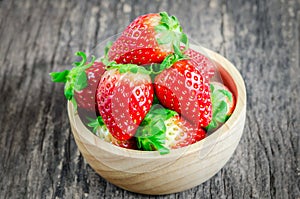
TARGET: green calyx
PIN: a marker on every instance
(74, 79)
(152, 69)
(96, 123)
(155, 69)
(219, 107)
(170, 32)
(171, 59)
(151, 133)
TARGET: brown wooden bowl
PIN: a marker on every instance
(148, 172)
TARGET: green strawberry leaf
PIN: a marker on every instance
(155, 100)
(74, 79)
(161, 28)
(134, 70)
(164, 18)
(69, 91)
(221, 111)
(80, 81)
(151, 132)
(162, 150)
(158, 111)
(169, 61)
(123, 68)
(219, 107)
(93, 58)
(157, 139)
(95, 123)
(154, 69)
(219, 115)
(212, 125)
(184, 39)
(83, 59)
(212, 88)
(171, 33)
(227, 94)
(100, 121)
(177, 50)
(59, 76)
(152, 136)
(106, 62)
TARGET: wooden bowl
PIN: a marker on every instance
(148, 172)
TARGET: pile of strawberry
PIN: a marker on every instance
(149, 91)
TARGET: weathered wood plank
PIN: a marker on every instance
(39, 158)
(268, 53)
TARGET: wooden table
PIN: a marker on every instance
(38, 155)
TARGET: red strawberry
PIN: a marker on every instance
(184, 89)
(223, 104)
(203, 63)
(148, 39)
(163, 129)
(124, 96)
(100, 130)
(86, 97)
(81, 82)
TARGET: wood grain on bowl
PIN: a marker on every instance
(151, 173)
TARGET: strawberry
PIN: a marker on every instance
(81, 82)
(148, 39)
(183, 88)
(124, 97)
(100, 130)
(203, 63)
(86, 97)
(163, 129)
(223, 104)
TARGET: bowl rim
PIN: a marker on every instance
(240, 107)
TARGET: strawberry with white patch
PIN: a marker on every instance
(163, 129)
(100, 130)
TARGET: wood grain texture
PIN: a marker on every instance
(39, 158)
